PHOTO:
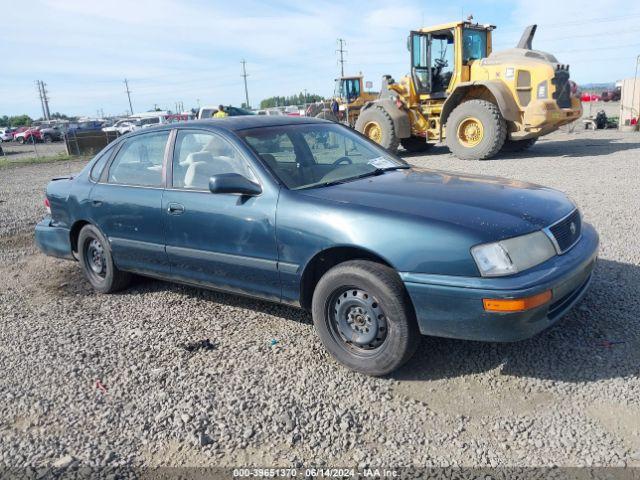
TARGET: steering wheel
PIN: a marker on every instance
(346, 160)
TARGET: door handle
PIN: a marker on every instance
(175, 209)
(97, 203)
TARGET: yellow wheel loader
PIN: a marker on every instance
(350, 94)
(477, 100)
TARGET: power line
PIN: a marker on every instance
(578, 22)
(126, 84)
(244, 76)
(342, 51)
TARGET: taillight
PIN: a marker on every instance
(47, 205)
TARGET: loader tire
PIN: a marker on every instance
(376, 124)
(511, 146)
(476, 130)
(415, 144)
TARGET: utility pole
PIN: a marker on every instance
(342, 51)
(244, 76)
(45, 100)
(126, 84)
(44, 115)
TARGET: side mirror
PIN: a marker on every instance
(233, 183)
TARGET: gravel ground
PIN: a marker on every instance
(97, 380)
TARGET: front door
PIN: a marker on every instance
(126, 204)
(225, 241)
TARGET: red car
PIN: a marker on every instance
(590, 97)
(28, 135)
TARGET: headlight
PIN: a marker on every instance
(542, 90)
(513, 255)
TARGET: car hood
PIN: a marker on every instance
(494, 208)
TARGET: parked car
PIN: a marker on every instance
(85, 126)
(50, 134)
(207, 112)
(6, 134)
(590, 97)
(292, 111)
(29, 135)
(379, 251)
(123, 126)
(270, 112)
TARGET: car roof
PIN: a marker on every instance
(244, 122)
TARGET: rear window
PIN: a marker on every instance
(101, 159)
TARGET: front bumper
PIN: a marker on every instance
(451, 306)
(53, 240)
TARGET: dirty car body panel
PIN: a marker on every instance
(422, 223)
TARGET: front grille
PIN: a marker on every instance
(566, 232)
(562, 95)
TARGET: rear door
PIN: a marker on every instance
(223, 240)
(126, 203)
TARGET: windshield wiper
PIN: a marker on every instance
(372, 173)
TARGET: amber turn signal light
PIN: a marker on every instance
(516, 304)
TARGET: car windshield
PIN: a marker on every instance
(317, 155)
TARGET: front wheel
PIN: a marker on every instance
(97, 262)
(364, 317)
(376, 124)
(475, 130)
(21, 140)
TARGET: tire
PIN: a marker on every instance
(21, 140)
(376, 124)
(97, 263)
(388, 334)
(47, 139)
(511, 146)
(327, 115)
(415, 144)
(488, 140)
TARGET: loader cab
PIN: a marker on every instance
(441, 56)
(348, 88)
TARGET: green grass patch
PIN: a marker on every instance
(9, 162)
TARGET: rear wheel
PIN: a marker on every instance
(415, 144)
(364, 317)
(97, 263)
(476, 130)
(511, 146)
(48, 139)
(376, 124)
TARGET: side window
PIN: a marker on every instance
(200, 155)
(98, 165)
(139, 161)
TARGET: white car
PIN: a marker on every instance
(6, 134)
(269, 111)
(123, 126)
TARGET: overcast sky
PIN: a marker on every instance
(191, 50)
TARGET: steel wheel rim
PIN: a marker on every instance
(470, 132)
(373, 131)
(94, 256)
(356, 320)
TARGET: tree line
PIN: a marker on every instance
(26, 120)
(298, 99)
